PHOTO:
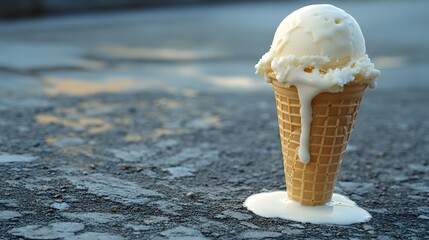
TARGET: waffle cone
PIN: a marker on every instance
(334, 116)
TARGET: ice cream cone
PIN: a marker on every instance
(334, 115)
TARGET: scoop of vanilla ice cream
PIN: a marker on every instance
(320, 30)
(319, 44)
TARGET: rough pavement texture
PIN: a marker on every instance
(151, 125)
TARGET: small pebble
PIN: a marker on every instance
(57, 196)
(125, 166)
(60, 206)
(191, 195)
(367, 227)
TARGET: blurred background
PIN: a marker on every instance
(155, 106)
(172, 44)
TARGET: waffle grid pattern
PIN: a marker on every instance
(334, 116)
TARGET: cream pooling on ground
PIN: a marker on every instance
(318, 48)
(341, 210)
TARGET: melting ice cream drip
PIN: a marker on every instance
(306, 95)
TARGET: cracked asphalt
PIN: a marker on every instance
(150, 124)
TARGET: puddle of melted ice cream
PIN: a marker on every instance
(341, 210)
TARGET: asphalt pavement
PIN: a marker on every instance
(150, 124)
